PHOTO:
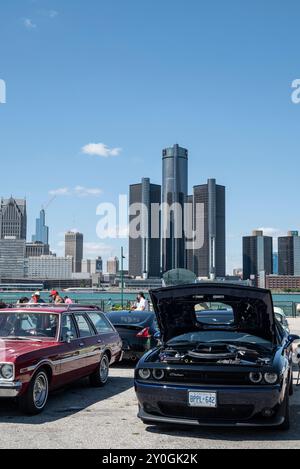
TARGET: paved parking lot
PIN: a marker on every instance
(81, 417)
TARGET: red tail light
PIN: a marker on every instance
(145, 333)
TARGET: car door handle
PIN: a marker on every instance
(81, 344)
(99, 341)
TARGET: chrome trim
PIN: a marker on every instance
(10, 389)
(60, 362)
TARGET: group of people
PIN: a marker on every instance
(141, 304)
(54, 298)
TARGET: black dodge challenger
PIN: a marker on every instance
(223, 360)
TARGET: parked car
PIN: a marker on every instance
(137, 330)
(282, 319)
(43, 348)
(230, 367)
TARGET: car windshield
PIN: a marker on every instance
(25, 325)
(128, 318)
(228, 337)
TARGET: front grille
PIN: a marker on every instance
(224, 412)
(212, 377)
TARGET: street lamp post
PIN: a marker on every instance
(122, 276)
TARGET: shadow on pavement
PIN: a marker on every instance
(234, 434)
(75, 398)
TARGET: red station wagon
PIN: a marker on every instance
(43, 348)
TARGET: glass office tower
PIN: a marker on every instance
(174, 196)
(41, 230)
(289, 254)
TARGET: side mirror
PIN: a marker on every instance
(291, 338)
(69, 337)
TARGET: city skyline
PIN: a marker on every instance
(219, 104)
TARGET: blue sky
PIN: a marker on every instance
(139, 75)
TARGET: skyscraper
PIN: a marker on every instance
(37, 249)
(13, 218)
(113, 266)
(209, 261)
(41, 230)
(289, 254)
(144, 251)
(74, 248)
(257, 255)
(174, 194)
(12, 258)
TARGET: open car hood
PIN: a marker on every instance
(253, 310)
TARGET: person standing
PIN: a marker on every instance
(142, 304)
(56, 298)
(36, 298)
(68, 300)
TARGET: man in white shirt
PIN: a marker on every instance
(142, 303)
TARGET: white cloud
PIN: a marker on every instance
(86, 191)
(28, 23)
(78, 191)
(52, 14)
(60, 191)
(100, 149)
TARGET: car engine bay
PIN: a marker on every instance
(222, 354)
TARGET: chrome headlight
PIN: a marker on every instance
(271, 378)
(144, 373)
(256, 377)
(7, 371)
(158, 374)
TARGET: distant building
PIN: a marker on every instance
(74, 248)
(174, 191)
(282, 282)
(209, 261)
(12, 258)
(41, 230)
(49, 267)
(92, 266)
(144, 251)
(113, 266)
(13, 218)
(257, 255)
(289, 254)
(37, 249)
(238, 272)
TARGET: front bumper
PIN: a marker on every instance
(237, 406)
(10, 389)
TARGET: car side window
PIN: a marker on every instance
(85, 330)
(68, 326)
(100, 322)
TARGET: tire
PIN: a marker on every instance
(35, 399)
(285, 426)
(100, 377)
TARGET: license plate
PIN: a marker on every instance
(202, 399)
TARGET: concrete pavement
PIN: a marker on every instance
(81, 417)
